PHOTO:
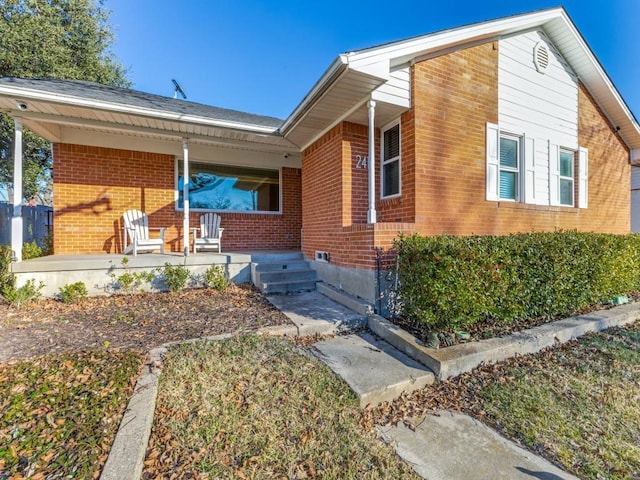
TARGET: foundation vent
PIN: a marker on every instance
(541, 57)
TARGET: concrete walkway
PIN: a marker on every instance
(450, 446)
(443, 446)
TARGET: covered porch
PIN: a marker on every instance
(99, 272)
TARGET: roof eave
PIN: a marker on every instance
(330, 76)
(27, 94)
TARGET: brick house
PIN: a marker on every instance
(498, 127)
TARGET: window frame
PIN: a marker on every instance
(518, 170)
(178, 208)
(387, 161)
(562, 178)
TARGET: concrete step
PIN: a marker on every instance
(283, 275)
(269, 257)
(287, 286)
(281, 265)
(374, 370)
(313, 313)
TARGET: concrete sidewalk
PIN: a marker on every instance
(444, 446)
(449, 446)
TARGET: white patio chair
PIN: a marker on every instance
(136, 228)
(210, 233)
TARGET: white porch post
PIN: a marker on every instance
(371, 213)
(16, 219)
(185, 195)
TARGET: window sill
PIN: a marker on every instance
(538, 208)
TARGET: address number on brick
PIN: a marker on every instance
(361, 161)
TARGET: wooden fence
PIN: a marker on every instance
(37, 223)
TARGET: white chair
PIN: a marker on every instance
(136, 228)
(210, 233)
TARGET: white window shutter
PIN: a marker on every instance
(529, 170)
(554, 174)
(493, 170)
(583, 177)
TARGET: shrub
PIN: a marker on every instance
(5, 264)
(216, 278)
(29, 292)
(453, 282)
(31, 250)
(129, 282)
(47, 244)
(175, 276)
(73, 292)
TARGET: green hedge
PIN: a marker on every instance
(454, 282)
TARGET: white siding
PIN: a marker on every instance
(540, 106)
(396, 90)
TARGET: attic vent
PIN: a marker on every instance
(541, 57)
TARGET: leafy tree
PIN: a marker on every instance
(68, 39)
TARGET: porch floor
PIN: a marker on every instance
(102, 261)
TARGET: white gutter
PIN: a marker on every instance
(68, 100)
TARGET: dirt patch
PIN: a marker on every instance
(137, 322)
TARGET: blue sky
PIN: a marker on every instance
(264, 56)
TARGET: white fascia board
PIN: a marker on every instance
(69, 100)
(405, 50)
(330, 76)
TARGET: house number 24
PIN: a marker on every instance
(362, 161)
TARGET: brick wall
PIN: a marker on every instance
(94, 186)
(454, 96)
(443, 170)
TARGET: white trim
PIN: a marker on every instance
(492, 159)
(384, 161)
(529, 168)
(554, 174)
(583, 177)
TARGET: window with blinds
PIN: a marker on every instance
(509, 168)
(390, 180)
(567, 161)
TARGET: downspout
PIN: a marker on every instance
(185, 195)
(16, 219)
(371, 213)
